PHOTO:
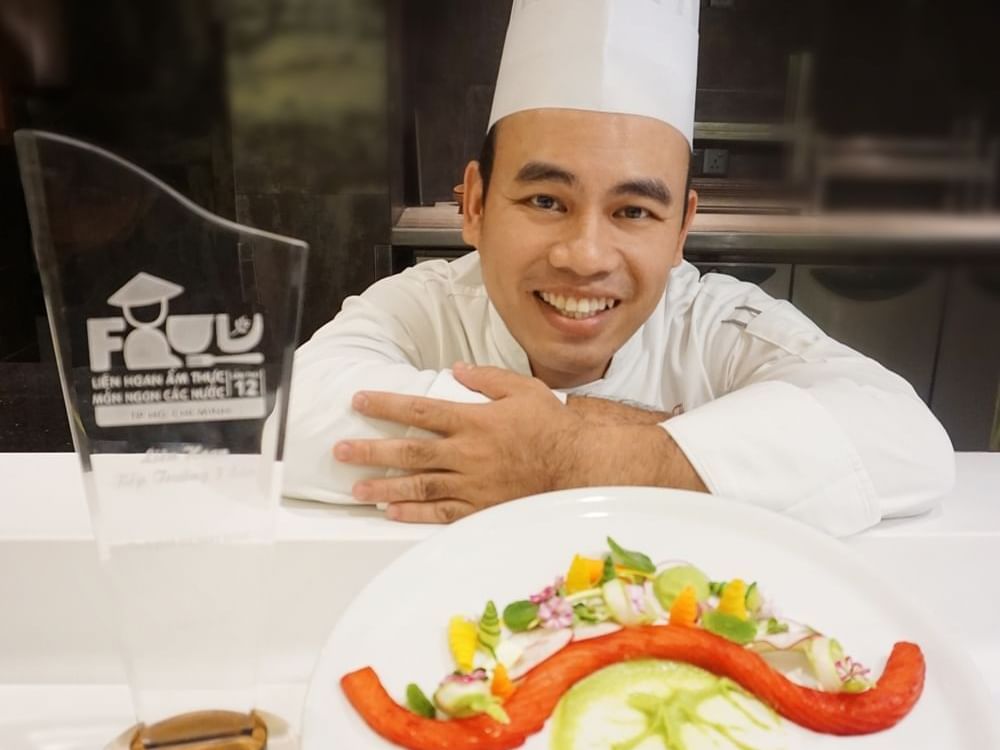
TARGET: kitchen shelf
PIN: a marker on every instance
(949, 236)
(760, 132)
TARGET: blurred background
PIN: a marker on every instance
(846, 155)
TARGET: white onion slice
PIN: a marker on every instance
(531, 649)
(594, 630)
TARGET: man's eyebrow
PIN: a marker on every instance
(540, 171)
(647, 187)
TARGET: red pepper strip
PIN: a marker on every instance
(405, 728)
(538, 693)
(876, 709)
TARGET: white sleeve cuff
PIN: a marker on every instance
(773, 445)
(446, 388)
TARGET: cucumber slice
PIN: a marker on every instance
(670, 582)
(652, 705)
(754, 601)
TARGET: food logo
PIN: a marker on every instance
(147, 348)
(165, 358)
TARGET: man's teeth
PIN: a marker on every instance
(573, 307)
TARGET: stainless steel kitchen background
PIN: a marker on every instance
(348, 122)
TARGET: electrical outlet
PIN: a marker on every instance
(716, 162)
(697, 161)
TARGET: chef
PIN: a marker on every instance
(576, 347)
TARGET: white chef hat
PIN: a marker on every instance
(636, 57)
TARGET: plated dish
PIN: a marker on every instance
(548, 622)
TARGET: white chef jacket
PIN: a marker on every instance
(770, 410)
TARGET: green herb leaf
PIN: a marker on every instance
(417, 702)
(715, 588)
(730, 627)
(585, 613)
(630, 559)
(520, 616)
(774, 627)
(609, 573)
(753, 599)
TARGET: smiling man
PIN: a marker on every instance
(584, 217)
(576, 347)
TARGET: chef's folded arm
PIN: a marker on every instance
(400, 337)
(777, 413)
(365, 348)
(808, 427)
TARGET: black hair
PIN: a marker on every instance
(487, 154)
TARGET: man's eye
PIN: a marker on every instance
(544, 202)
(634, 212)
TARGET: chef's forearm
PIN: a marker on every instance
(607, 412)
(631, 454)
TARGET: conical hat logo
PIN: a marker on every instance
(147, 347)
(145, 289)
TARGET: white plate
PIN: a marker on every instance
(397, 625)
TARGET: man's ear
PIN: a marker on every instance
(689, 211)
(473, 204)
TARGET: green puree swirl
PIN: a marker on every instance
(627, 705)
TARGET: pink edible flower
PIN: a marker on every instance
(548, 592)
(848, 669)
(477, 675)
(555, 613)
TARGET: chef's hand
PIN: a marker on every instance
(522, 442)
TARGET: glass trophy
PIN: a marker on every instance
(174, 332)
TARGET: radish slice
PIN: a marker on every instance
(629, 603)
(585, 632)
(796, 637)
(522, 652)
(823, 653)
(653, 607)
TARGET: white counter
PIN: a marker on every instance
(62, 686)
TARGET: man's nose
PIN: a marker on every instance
(587, 248)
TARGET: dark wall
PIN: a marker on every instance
(452, 54)
(323, 118)
(743, 54)
(453, 47)
(269, 112)
(892, 66)
(907, 66)
(307, 86)
(20, 293)
(108, 73)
